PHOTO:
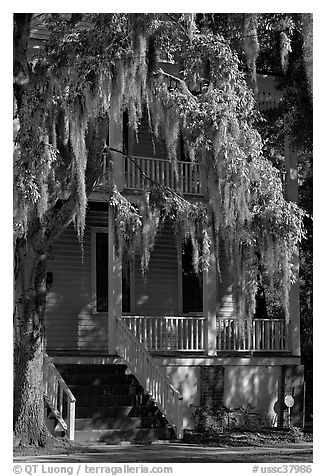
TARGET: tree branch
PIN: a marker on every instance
(57, 221)
(183, 85)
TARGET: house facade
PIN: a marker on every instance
(173, 330)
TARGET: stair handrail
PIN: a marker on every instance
(54, 389)
(150, 376)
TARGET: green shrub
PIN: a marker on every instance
(213, 420)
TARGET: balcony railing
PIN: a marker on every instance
(187, 180)
(262, 335)
(187, 334)
(164, 334)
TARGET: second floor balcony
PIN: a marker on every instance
(138, 173)
(185, 177)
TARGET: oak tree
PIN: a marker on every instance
(92, 69)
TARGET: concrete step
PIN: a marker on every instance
(100, 379)
(114, 436)
(111, 400)
(114, 389)
(121, 423)
(111, 405)
(117, 411)
(92, 369)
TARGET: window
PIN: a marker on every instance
(102, 272)
(192, 283)
(101, 275)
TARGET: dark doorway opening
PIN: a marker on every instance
(126, 283)
(192, 283)
(102, 272)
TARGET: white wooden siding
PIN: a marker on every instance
(70, 323)
(156, 293)
(144, 146)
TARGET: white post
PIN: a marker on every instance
(179, 418)
(114, 264)
(210, 306)
(116, 141)
(114, 286)
(71, 420)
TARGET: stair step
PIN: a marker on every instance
(117, 411)
(108, 390)
(92, 368)
(111, 405)
(113, 436)
(121, 423)
(111, 400)
(100, 379)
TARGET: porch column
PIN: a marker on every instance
(116, 141)
(210, 306)
(114, 286)
(291, 194)
(114, 262)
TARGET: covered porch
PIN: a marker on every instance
(170, 310)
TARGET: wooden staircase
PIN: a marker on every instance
(111, 405)
(106, 403)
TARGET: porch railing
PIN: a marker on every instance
(261, 335)
(187, 180)
(167, 333)
(58, 397)
(150, 376)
